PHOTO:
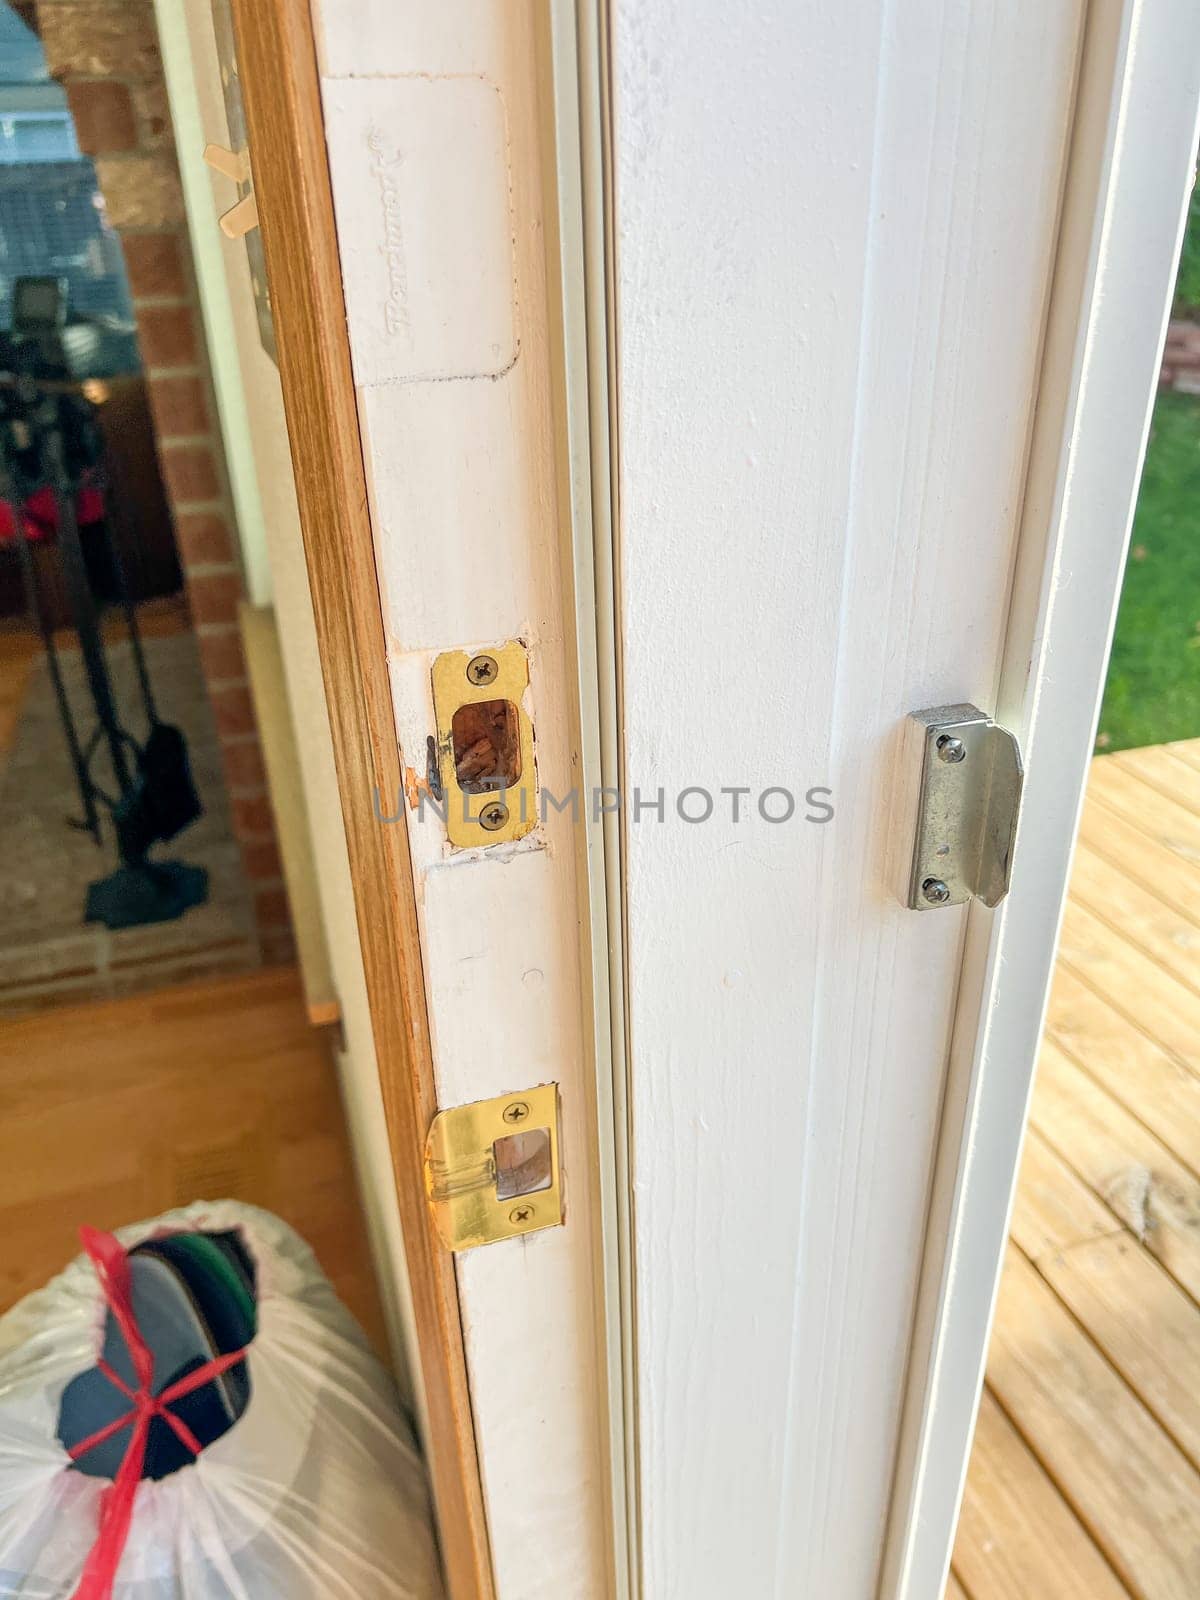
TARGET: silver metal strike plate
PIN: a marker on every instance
(967, 807)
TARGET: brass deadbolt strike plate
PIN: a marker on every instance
(485, 739)
(492, 1170)
(969, 778)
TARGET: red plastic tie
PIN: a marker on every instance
(116, 1503)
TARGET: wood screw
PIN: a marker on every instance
(482, 670)
(517, 1112)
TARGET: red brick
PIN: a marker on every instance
(204, 539)
(271, 909)
(153, 116)
(167, 335)
(214, 596)
(233, 710)
(180, 406)
(260, 861)
(100, 39)
(141, 190)
(252, 817)
(190, 472)
(155, 266)
(243, 764)
(221, 655)
(103, 113)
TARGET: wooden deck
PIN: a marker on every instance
(1085, 1478)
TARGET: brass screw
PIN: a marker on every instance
(481, 670)
(493, 816)
(520, 1214)
(517, 1112)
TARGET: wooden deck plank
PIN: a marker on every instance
(1048, 1218)
(1017, 1537)
(1175, 826)
(1140, 917)
(1145, 859)
(1133, 1310)
(1167, 1010)
(1096, 1356)
(1186, 750)
(1161, 767)
(1128, 1482)
(1147, 1080)
(1137, 1177)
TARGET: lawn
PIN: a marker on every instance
(1153, 689)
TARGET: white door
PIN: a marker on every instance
(737, 381)
(889, 287)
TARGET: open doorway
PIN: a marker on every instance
(136, 841)
(1085, 1475)
(171, 1033)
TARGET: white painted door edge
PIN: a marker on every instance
(1129, 178)
(579, 276)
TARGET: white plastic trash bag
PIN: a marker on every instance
(315, 1493)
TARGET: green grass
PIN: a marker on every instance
(1187, 285)
(1153, 689)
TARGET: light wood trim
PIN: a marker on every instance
(277, 61)
(281, 756)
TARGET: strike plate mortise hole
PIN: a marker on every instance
(522, 1163)
(487, 746)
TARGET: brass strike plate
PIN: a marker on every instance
(491, 1168)
(485, 744)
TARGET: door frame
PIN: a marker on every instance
(278, 68)
(1134, 140)
(1129, 177)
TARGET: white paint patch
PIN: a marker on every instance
(392, 38)
(421, 188)
(455, 530)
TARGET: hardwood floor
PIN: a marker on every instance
(115, 1111)
(1085, 1478)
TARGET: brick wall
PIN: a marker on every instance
(1181, 358)
(105, 54)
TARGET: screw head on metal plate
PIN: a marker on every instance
(482, 670)
(935, 891)
(520, 1214)
(493, 816)
(517, 1112)
(951, 749)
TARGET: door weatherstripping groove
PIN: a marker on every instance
(574, 46)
